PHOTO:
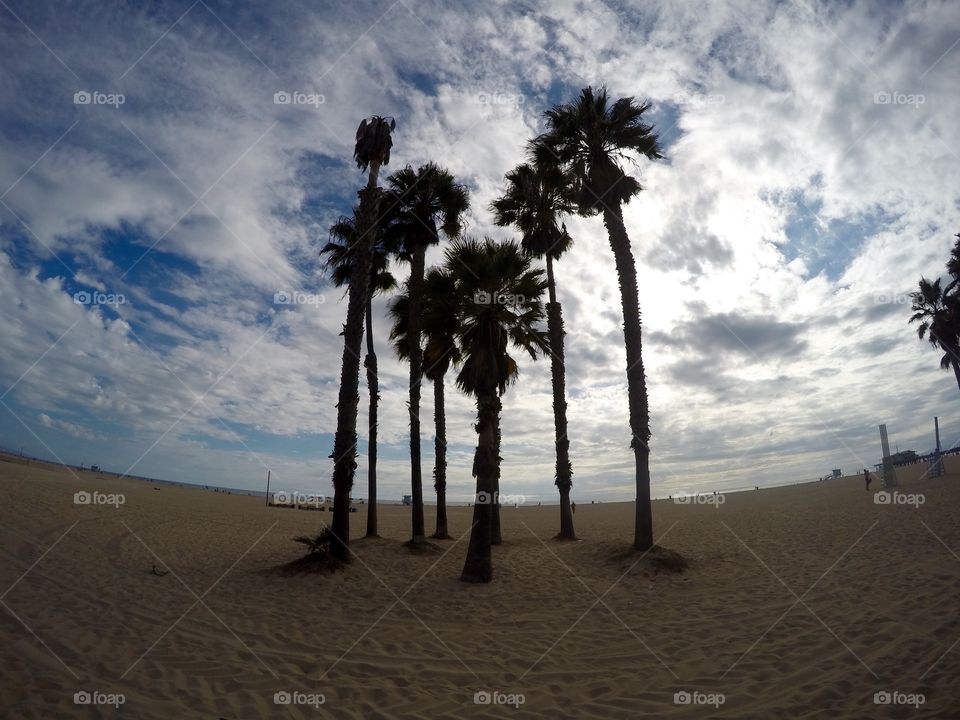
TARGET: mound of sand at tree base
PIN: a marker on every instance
(799, 601)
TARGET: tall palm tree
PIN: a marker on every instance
(439, 329)
(499, 297)
(591, 137)
(535, 200)
(344, 234)
(938, 313)
(371, 151)
(421, 204)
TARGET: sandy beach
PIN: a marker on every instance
(801, 601)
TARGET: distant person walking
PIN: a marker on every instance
(867, 479)
(573, 508)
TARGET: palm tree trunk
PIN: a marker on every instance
(440, 451)
(345, 440)
(495, 537)
(478, 566)
(416, 372)
(636, 379)
(564, 470)
(373, 387)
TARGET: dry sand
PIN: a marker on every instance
(802, 601)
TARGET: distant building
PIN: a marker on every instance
(904, 457)
(408, 499)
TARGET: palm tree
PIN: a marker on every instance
(339, 260)
(535, 200)
(372, 150)
(953, 264)
(499, 298)
(439, 328)
(938, 313)
(422, 203)
(591, 138)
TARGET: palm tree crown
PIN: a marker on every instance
(536, 197)
(337, 253)
(939, 316)
(500, 304)
(592, 138)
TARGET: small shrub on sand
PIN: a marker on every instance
(320, 556)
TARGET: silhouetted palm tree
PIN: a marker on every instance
(439, 326)
(344, 235)
(953, 264)
(371, 151)
(535, 200)
(591, 138)
(421, 204)
(938, 313)
(499, 305)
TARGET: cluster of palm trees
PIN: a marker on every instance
(937, 308)
(485, 300)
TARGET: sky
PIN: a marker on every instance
(158, 197)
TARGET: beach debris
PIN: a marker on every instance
(159, 572)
